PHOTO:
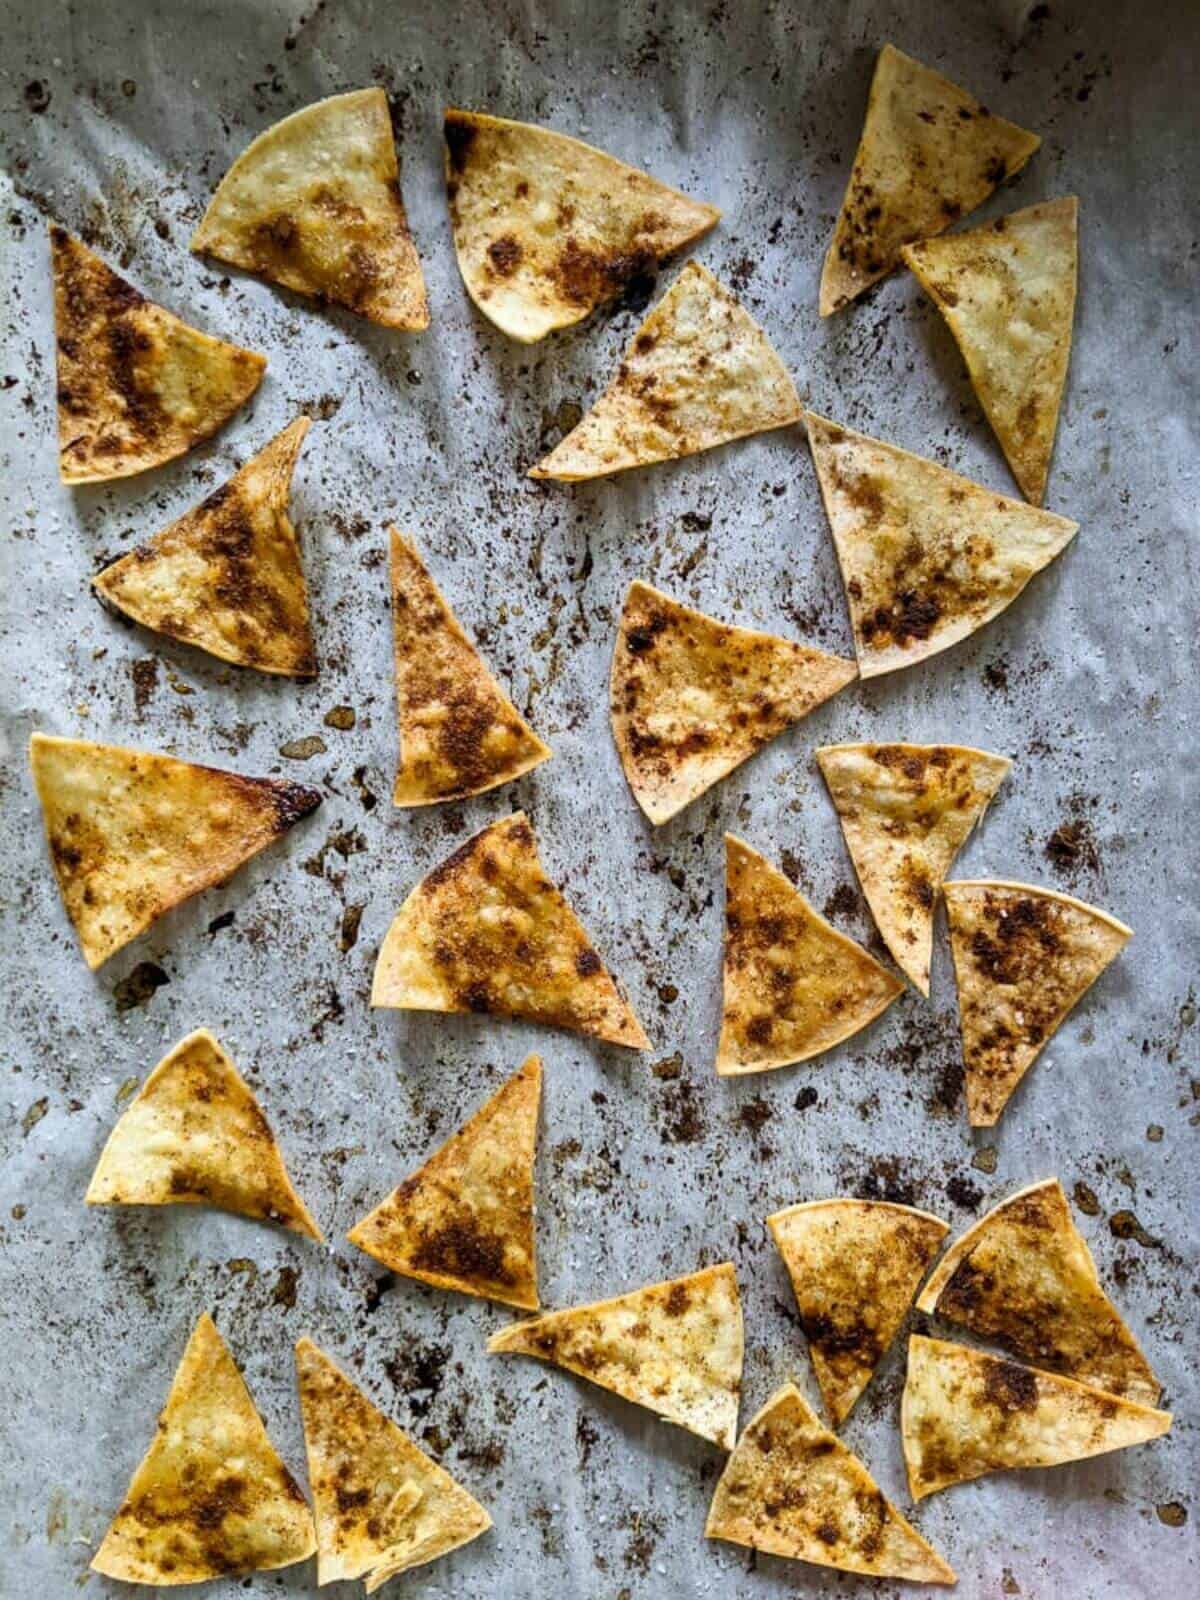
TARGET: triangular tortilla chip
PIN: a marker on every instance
(966, 1413)
(1007, 292)
(381, 1504)
(855, 1266)
(699, 373)
(791, 1488)
(227, 576)
(1023, 1277)
(674, 1347)
(1023, 957)
(132, 833)
(196, 1135)
(546, 228)
(691, 698)
(928, 155)
(464, 1220)
(460, 734)
(211, 1497)
(793, 985)
(927, 557)
(487, 931)
(906, 811)
(136, 386)
(314, 204)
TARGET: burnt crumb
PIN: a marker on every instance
(587, 1436)
(34, 1115)
(985, 1158)
(964, 1193)
(948, 1090)
(485, 1455)
(375, 1291)
(806, 1098)
(136, 988)
(670, 1067)
(342, 718)
(1010, 1387)
(283, 1293)
(1172, 1512)
(37, 96)
(1085, 1199)
(695, 522)
(1073, 849)
(843, 902)
(348, 933)
(883, 1181)
(145, 681)
(366, 795)
(1125, 1225)
(682, 1120)
(755, 1115)
(418, 1370)
(303, 749)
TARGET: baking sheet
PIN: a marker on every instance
(118, 120)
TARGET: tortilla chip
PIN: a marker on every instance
(460, 734)
(692, 698)
(1007, 292)
(928, 155)
(699, 373)
(227, 577)
(488, 932)
(793, 985)
(136, 386)
(211, 1497)
(791, 1488)
(674, 1347)
(906, 811)
(966, 1413)
(1023, 957)
(464, 1220)
(196, 1135)
(314, 204)
(855, 1266)
(132, 833)
(382, 1505)
(927, 557)
(547, 228)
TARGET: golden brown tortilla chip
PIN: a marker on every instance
(674, 1347)
(136, 386)
(927, 557)
(1007, 292)
(791, 1488)
(460, 734)
(855, 1266)
(699, 373)
(212, 1497)
(132, 833)
(464, 1220)
(547, 228)
(906, 811)
(488, 932)
(793, 985)
(691, 698)
(227, 576)
(929, 154)
(314, 204)
(1023, 957)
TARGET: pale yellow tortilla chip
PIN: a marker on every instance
(673, 1347)
(460, 734)
(966, 1413)
(927, 557)
(464, 1220)
(211, 1497)
(1007, 292)
(791, 1488)
(487, 931)
(314, 204)
(699, 373)
(793, 985)
(227, 576)
(855, 1266)
(132, 833)
(381, 1504)
(906, 811)
(196, 1135)
(1023, 958)
(136, 386)
(547, 228)
(928, 155)
(692, 698)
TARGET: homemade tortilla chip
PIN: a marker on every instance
(691, 698)
(136, 386)
(212, 1497)
(314, 204)
(547, 228)
(699, 373)
(674, 1347)
(929, 154)
(132, 833)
